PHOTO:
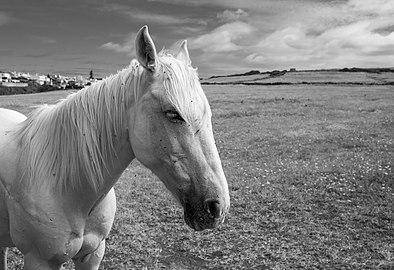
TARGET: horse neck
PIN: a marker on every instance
(82, 142)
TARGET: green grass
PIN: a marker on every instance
(311, 177)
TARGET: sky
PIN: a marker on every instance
(72, 37)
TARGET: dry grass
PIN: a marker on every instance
(311, 178)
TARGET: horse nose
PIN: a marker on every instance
(213, 208)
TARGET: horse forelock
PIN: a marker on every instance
(73, 140)
(183, 90)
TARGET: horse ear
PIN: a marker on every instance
(145, 49)
(183, 54)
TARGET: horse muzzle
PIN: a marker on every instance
(206, 215)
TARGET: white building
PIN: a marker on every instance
(5, 76)
(40, 79)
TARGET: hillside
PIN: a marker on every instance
(31, 88)
(345, 76)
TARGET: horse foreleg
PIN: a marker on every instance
(91, 261)
(34, 262)
(3, 258)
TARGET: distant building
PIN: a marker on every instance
(5, 76)
(40, 79)
(21, 75)
(10, 79)
(293, 70)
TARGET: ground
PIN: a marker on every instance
(311, 178)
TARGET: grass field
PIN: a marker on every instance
(311, 177)
(310, 77)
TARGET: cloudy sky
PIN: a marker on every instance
(224, 36)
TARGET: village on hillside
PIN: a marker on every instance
(16, 80)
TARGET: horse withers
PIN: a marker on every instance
(58, 166)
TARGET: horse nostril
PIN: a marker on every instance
(213, 207)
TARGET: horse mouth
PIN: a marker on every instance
(200, 220)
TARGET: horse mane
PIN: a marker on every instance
(74, 140)
(75, 137)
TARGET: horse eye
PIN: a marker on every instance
(174, 116)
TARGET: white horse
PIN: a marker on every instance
(59, 165)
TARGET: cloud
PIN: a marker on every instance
(229, 15)
(6, 18)
(38, 54)
(225, 38)
(44, 39)
(161, 18)
(127, 46)
(229, 4)
(382, 7)
(151, 17)
(111, 46)
(271, 34)
(339, 46)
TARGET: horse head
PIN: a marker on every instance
(170, 133)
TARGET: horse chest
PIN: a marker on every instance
(43, 228)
